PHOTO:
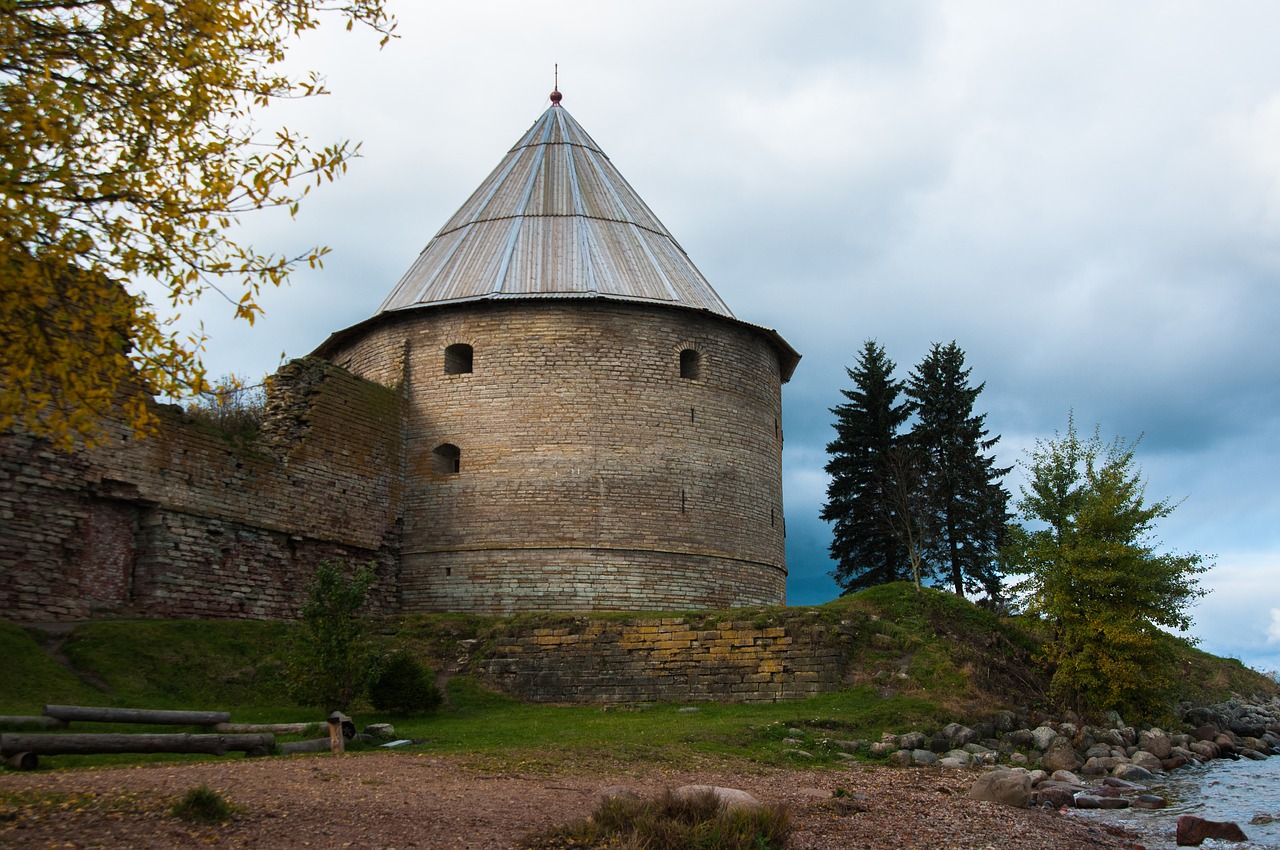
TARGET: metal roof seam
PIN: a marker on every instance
(555, 217)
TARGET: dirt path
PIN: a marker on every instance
(397, 800)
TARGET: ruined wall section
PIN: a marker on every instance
(188, 523)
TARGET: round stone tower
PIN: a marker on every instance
(588, 425)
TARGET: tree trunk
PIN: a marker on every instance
(93, 744)
(92, 714)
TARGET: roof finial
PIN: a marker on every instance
(555, 91)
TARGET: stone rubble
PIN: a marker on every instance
(1070, 764)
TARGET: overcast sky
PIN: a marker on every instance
(1084, 196)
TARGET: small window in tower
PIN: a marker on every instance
(457, 359)
(690, 364)
(446, 458)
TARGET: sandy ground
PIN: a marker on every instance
(401, 800)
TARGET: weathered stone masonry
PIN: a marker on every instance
(184, 524)
(591, 474)
(668, 659)
(551, 411)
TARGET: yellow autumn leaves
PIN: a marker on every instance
(128, 150)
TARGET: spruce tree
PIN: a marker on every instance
(967, 503)
(866, 550)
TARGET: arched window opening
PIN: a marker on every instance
(457, 359)
(446, 458)
(690, 364)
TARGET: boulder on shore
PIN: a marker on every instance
(1011, 787)
(730, 798)
(1060, 755)
(1192, 831)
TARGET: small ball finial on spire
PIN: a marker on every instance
(555, 89)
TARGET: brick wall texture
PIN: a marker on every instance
(590, 473)
(668, 659)
(575, 466)
(186, 524)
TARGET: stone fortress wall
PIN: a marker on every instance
(607, 456)
(584, 471)
(186, 524)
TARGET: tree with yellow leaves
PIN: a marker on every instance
(1091, 569)
(128, 152)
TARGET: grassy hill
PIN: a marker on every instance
(916, 661)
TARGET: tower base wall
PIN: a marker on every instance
(506, 581)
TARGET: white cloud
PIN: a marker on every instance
(1273, 631)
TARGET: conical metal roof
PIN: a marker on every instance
(554, 219)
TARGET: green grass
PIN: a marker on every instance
(183, 663)
(915, 661)
(30, 678)
(478, 721)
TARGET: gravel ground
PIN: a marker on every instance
(400, 800)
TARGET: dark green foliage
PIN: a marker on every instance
(202, 805)
(864, 545)
(332, 660)
(926, 504)
(404, 687)
(695, 822)
(1092, 571)
(966, 503)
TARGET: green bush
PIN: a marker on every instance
(404, 687)
(332, 659)
(202, 805)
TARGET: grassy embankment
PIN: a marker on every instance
(917, 661)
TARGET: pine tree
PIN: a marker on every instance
(967, 502)
(866, 551)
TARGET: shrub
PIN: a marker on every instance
(332, 660)
(404, 687)
(202, 804)
(231, 405)
(700, 821)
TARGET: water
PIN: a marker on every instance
(1221, 790)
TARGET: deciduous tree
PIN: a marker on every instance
(332, 661)
(967, 503)
(128, 151)
(859, 497)
(1092, 570)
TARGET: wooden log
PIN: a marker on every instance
(315, 745)
(25, 761)
(93, 714)
(94, 744)
(24, 721)
(274, 728)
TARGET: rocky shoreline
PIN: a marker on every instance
(1064, 764)
(1233, 729)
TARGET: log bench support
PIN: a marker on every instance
(27, 747)
(96, 714)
